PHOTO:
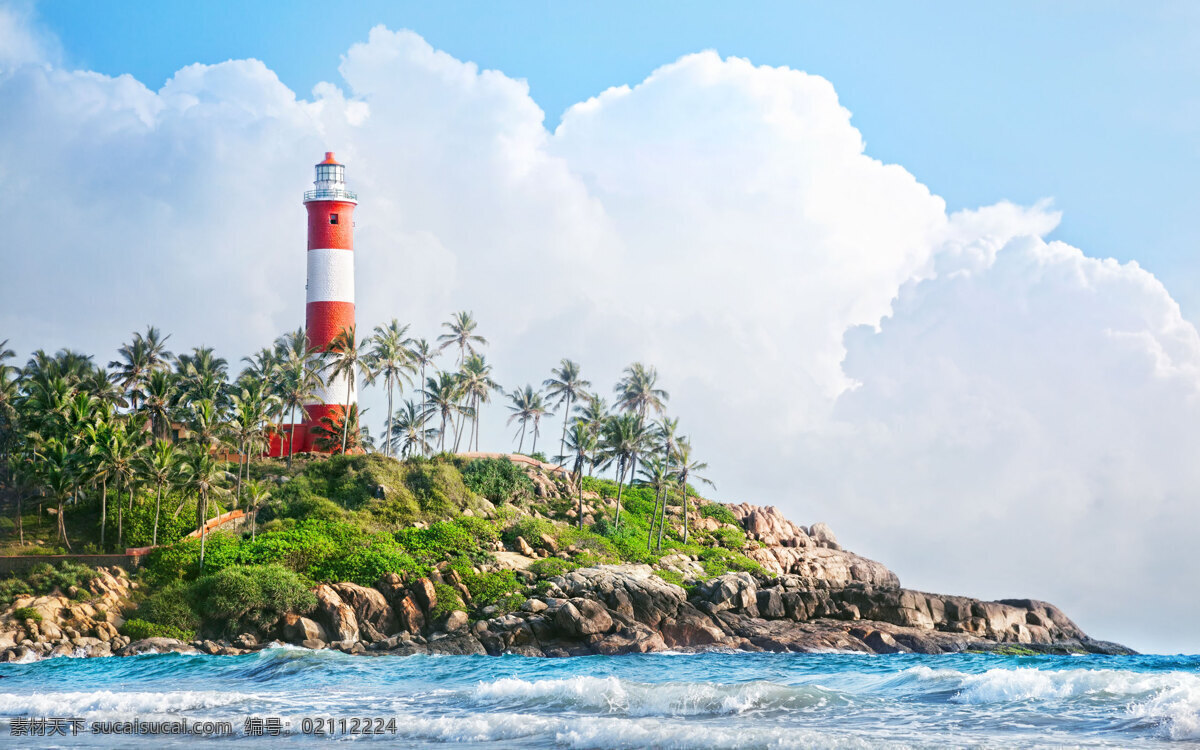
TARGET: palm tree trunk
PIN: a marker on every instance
(62, 526)
(237, 500)
(533, 448)
(292, 437)
(203, 526)
(620, 481)
(521, 444)
(387, 443)
(157, 507)
(425, 447)
(662, 522)
(653, 519)
(683, 489)
(103, 509)
(562, 441)
(580, 480)
(346, 413)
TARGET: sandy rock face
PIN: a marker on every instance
(335, 615)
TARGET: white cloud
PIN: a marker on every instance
(961, 399)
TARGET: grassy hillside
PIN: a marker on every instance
(357, 518)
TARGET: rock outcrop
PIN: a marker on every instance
(816, 596)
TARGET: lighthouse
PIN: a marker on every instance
(330, 289)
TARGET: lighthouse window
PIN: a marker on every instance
(333, 218)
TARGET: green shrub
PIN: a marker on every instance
(448, 600)
(181, 561)
(137, 629)
(603, 487)
(497, 479)
(492, 588)
(719, 512)
(169, 607)
(11, 588)
(367, 565)
(44, 578)
(730, 538)
(530, 529)
(442, 540)
(719, 561)
(305, 544)
(670, 576)
(250, 598)
(484, 531)
(21, 614)
(552, 566)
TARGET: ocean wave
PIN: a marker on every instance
(616, 696)
(100, 703)
(1168, 703)
(619, 732)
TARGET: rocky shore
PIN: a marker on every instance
(816, 597)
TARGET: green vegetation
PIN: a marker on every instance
(44, 578)
(138, 629)
(26, 613)
(497, 479)
(142, 451)
(718, 512)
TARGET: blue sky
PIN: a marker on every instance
(1092, 104)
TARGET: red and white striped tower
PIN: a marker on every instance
(330, 286)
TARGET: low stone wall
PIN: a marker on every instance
(19, 563)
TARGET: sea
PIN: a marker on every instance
(285, 697)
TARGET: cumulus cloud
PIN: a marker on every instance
(984, 410)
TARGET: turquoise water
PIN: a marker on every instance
(717, 700)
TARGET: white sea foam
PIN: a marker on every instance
(101, 703)
(617, 732)
(617, 696)
(1167, 701)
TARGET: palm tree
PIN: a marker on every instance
(527, 405)
(249, 412)
(160, 393)
(594, 413)
(116, 454)
(132, 367)
(57, 467)
(636, 391)
(422, 354)
(565, 386)
(332, 433)
(390, 358)
(656, 476)
(409, 433)
(202, 376)
(664, 436)
(441, 394)
(258, 493)
(161, 466)
(299, 380)
(476, 383)
(621, 441)
(462, 332)
(686, 470)
(202, 474)
(344, 358)
(582, 442)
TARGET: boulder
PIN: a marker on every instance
(823, 535)
(732, 591)
(409, 616)
(369, 605)
(455, 621)
(524, 548)
(583, 617)
(425, 594)
(335, 615)
(296, 629)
